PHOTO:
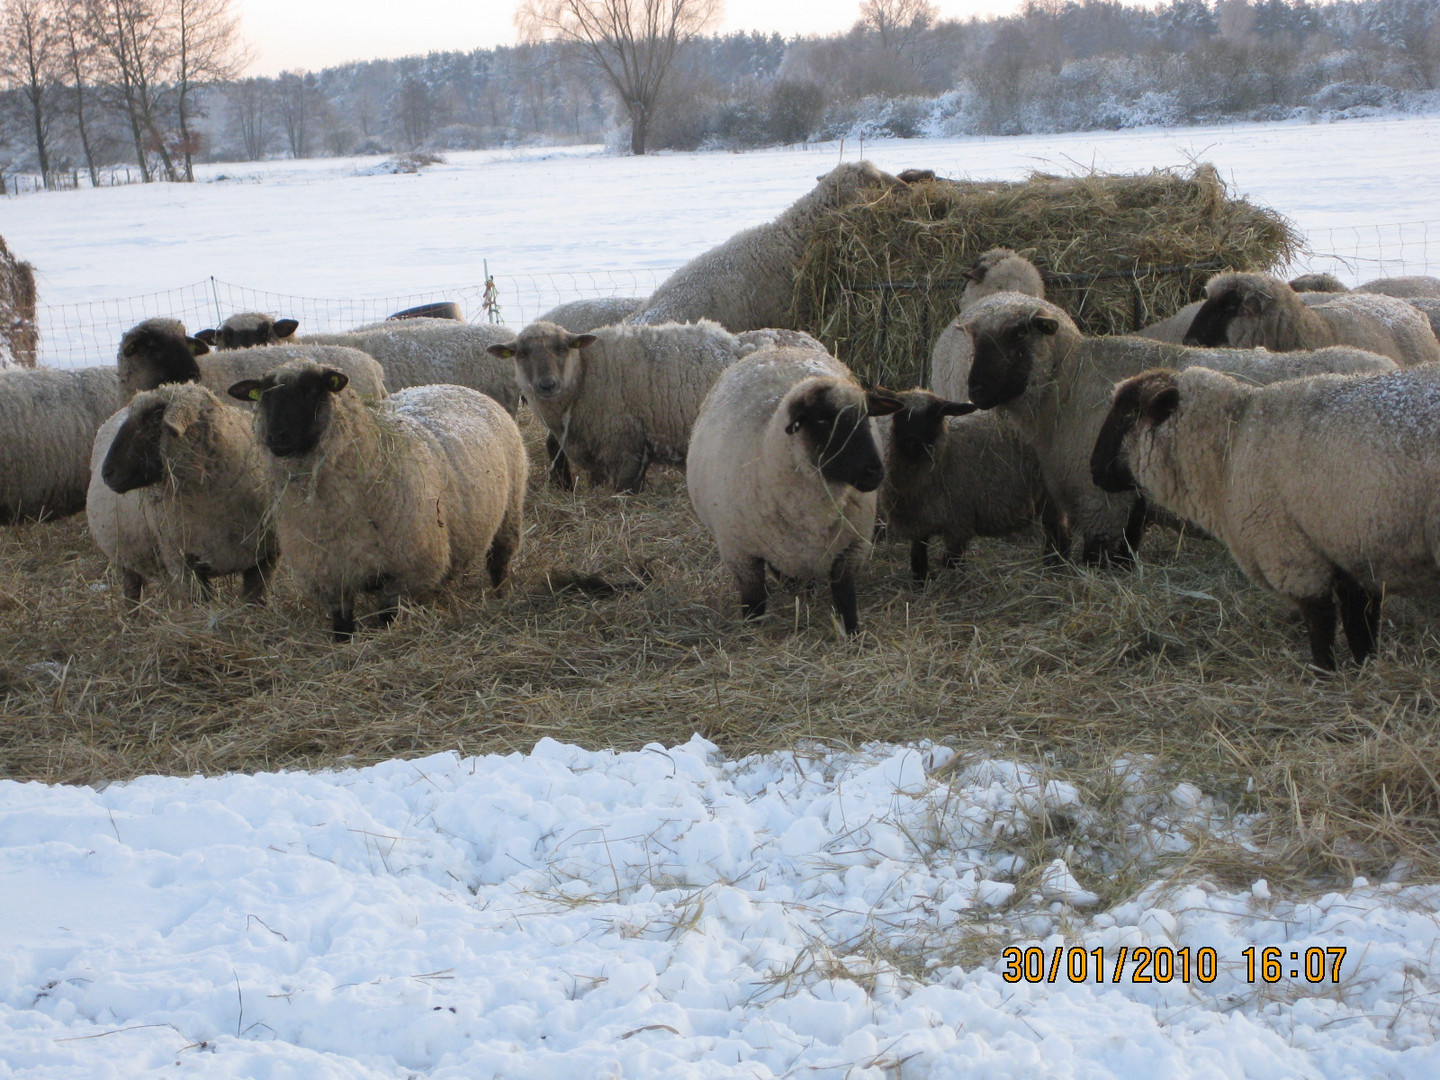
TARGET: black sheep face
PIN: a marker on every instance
(1142, 401)
(250, 333)
(834, 426)
(295, 412)
(1005, 358)
(134, 459)
(1211, 326)
(917, 426)
(151, 357)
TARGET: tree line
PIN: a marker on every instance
(154, 84)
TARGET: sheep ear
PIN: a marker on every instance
(205, 337)
(247, 390)
(582, 341)
(957, 408)
(1252, 302)
(1045, 324)
(1162, 405)
(503, 352)
(198, 345)
(335, 380)
(285, 327)
(879, 402)
(179, 415)
(975, 273)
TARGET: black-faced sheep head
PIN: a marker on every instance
(831, 422)
(917, 425)
(247, 330)
(1141, 403)
(1227, 298)
(141, 448)
(547, 360)
(293, 405)
(1005, 355)
(155, 352)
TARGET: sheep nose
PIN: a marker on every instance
(547, 387)
(868, 479)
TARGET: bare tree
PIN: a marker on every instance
(29, 53)
(633, 42)
(248, 101)
(77, 57)
(207, 51)
(295, 95)
(136, 49)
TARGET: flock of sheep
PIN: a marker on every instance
(1295, 423)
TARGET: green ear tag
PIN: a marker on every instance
(255, 393)
(335, 383)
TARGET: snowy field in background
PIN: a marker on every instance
(567, 915)
(344, 228)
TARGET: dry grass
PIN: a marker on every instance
(621, 629)
(880, 279)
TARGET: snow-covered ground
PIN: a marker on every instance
(665, 913)
(551, 225)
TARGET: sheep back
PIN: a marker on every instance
(580, 316)
(223, 368)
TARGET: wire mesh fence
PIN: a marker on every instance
(74, 335)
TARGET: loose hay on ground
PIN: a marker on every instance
(881, 278)
(1182, 664)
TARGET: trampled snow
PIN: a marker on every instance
(666, 912)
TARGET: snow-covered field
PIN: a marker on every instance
(552, 225)
(570, 915)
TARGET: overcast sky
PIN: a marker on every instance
(315, 34)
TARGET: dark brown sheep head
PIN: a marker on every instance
(147, 440)
(293, 405)
(916, 426)
(249, 329)
(1141, 403)
(1229, 297)
(1005, 350)
(155, 352)
(831, 420)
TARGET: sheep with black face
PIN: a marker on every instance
(393, 497)
(248, 330)
(783, 469)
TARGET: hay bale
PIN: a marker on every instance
(19, 336)
(879, 280)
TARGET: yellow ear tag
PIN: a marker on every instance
(334, 383)
(255, 393)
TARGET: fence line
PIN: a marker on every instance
(74, 335)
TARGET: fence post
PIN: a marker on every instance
(215, 294)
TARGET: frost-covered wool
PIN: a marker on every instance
(1406, 288)
(222, 369)
(421, 352)
(1322, 283)
(622, 396)
(747, 282)
(393, 497)
(247, 329)
(750, 340)
(579, 316)
(783, 470)
(48, 420)
(178, 493)
(957, 476)
(997, 270)
(1321, 488)
(1430, 308)
(1032, 362)
(1260, 311)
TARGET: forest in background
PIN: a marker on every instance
(897, 72)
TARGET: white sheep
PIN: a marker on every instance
(247, 329)
(783, 470)
(1322, 488)
(617, 398)
(420, 352)
(581, 316)
(748, 281)
(997, 270)
(957, 474)
(178, 493)
(223, 368)
(393, 497)
(1257, 310)
(1032, 362)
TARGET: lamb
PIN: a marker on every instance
(199, 505)
(747, 282)
(618, 398)
(958, 476)
(582, 316)
(420, 352)
(1032, 362)
(247, 329)
(1322, 488)
(997, 270)
(393, 497)
(783, 470)
(1250, 310)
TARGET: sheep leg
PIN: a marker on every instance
(1319, 613)
(131, 585)
(386, 615)
(632, 477)
(502, 549)
(342, 622)
(842, 592)
(954, 552)
(560, 474)
(1054, 526)
(1360, 615)
(920, 559)
(751, 577)
(253, 582)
